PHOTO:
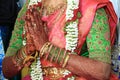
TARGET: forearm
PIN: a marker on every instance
(78, 65)
(88, 68)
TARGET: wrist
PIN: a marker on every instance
(54, 54)
(17, 61)
(21, 59)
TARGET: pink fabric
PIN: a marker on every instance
(27, 77)
(55, 27)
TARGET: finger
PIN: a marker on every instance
(37, 25)
(35, 28)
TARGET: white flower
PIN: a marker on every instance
(24, 39)
(36, 70)
(32, 2)
(66, 72)
(72, 35)
(71, 5)
(72, 28)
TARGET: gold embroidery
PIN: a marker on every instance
(53, 72)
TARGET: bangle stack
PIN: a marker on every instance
(21, 59)
(44, 49)
(54, 54)
(65, 61)
(48, 51)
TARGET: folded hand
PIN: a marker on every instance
(34, 26)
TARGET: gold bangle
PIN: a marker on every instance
(20, 54)
(44, 48)
(51, 59)
(65, 61)
(20, 57)
(17, 62)
(58, 55)
(27, 58)
(49, 50)
(23, 53)
(65, 53)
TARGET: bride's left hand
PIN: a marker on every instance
(36, 28)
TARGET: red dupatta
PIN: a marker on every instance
(88, 9)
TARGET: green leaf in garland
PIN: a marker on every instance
(78, 15)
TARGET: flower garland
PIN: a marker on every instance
(71, 5)
(36, 70)
(66, 72)
(35, 67)
(72, 35)
(33, 2)
(24, 38)
(72, 27)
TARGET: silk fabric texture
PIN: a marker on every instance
(86, 9)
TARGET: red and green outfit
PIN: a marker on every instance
(96, 30)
